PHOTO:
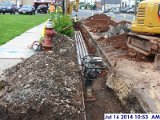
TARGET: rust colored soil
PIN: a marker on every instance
(99, 23)
(124, 22)
(117, 43)
(106, 102)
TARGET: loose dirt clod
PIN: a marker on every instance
(46, 86)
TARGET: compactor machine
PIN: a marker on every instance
(145, 35)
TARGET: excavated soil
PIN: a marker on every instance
(47, 86)
(131, 75)
(113, 38)
(106, 99)
(99, 23)
(116, 47)
(106, 102)
(136, 82)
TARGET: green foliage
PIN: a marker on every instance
(63, 24)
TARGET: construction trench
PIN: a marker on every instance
(51, 86)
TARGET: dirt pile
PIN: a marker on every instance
(116, 47)
(104, 23)
(46, 86)
(115, 41)
(99, 23)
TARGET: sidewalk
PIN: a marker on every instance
(17, 49)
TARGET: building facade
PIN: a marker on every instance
(117, 3)
(21, 2)
(30, 2)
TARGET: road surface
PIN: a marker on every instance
(118, 17)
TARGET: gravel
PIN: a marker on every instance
(47, 86)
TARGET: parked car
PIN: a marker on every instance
(112, 8)
(116, 10)
(42, 9)
(27, 9)
(124, 10)
(132, 10)
(8, 7)
(0, 8)
(106, 10)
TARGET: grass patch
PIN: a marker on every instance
(14, 25)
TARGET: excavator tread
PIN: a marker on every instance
(150, 38)
(144, 44)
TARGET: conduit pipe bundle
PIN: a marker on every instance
(81, 53)
(80, 46)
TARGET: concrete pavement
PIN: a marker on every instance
(18, 49)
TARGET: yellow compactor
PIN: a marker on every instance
(145, 35)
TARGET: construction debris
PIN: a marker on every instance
(119, 29)
(46, 86)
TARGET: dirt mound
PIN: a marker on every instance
(124, 22)
(116, 41)
(99, 23)
(46, 86)
(103, 23)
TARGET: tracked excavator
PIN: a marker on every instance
(145, 30)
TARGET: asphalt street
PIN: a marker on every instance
(118, 17)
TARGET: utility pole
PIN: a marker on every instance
(120, 4)
(63, 7)
(104, 4)
(101, 5)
